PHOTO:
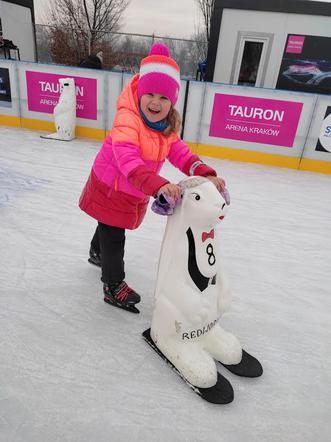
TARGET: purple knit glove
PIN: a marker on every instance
(164, 205)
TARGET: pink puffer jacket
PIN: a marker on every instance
(126, 170)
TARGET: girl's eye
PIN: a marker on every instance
(164, 98)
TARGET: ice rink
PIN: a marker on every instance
(73, 368)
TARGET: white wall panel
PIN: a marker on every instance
(276, 23)
(234, 21)
(17, 26)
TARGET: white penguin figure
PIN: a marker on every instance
(191, 290)
(65, 111)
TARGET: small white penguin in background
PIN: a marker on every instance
(65, 111)
(192, 292)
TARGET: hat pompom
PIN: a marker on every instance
(159, 49)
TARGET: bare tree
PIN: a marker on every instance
(200, 46)
(130, 50)
(103, 16)
(206, 8)
(82, 25)
(43, 43)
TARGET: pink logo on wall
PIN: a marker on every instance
(295, 44)
(43, 91)
(256, 120)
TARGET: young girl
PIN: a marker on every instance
(126, 170)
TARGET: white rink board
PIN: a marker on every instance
(194, 111)
(308, 101)
(198, 112)
(98, 123)
(113, 86)
(310, 151)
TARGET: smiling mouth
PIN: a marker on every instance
(152, 111)
(221, 217)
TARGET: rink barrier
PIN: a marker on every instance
(263, 126)
(226, 153)
(10, 120)
(48, 126)
(315, 166)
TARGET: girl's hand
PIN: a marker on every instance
(172, 190)
(218, 182)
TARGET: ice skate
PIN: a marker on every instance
(122, 296)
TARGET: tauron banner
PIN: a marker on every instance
(5, 93)
(43, 91)
(256, 120)
(324, 140)
(306, 64)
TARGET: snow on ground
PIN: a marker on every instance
(73, 368)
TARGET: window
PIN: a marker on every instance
(250, 63)
(250, 59)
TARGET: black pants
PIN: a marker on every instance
(109, 242)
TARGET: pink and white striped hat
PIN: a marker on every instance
(159, 74)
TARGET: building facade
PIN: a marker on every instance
(18, 27)
(272, 44)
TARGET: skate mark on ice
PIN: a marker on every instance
(13, 184)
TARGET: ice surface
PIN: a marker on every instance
(73, 368)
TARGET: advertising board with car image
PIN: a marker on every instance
(306, 64)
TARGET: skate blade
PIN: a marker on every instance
(248, 367)
(220, 393)
(129, 307)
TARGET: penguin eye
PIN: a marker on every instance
(197, 196)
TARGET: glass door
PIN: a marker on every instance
(250, 63)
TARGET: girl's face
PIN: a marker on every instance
(155, 106)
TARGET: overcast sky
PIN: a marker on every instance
(174, 18)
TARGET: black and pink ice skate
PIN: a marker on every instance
(122, 296)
